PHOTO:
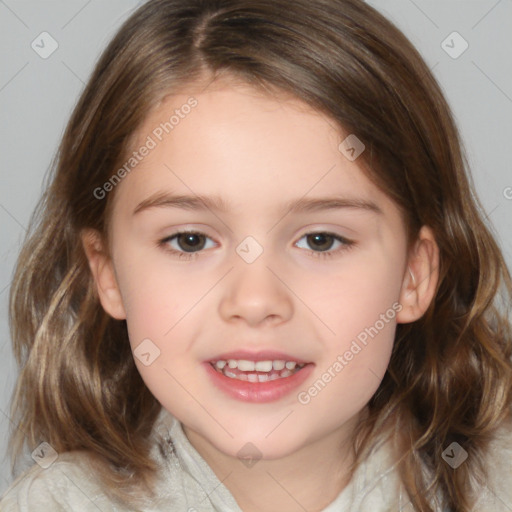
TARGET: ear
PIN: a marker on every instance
(420, 277)
(103, 274)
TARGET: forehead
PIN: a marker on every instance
(238, 143)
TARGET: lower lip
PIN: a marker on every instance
(258, 392)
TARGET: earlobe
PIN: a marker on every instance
(102, 271)
(420, 278)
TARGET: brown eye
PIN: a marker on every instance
(191, 242)
(320, 241)
(186, 242)
(325, 245)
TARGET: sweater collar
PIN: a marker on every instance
(376, 472)
(192, 463)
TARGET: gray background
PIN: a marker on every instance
(37, 96)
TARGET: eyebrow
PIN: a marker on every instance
(216, 203)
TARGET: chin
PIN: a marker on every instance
(258, 444)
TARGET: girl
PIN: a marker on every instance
(260, 279)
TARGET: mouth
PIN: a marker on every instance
(262, 377)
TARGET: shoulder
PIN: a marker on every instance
(70, 484)
(497, 492)
(66, 485)
(376, 485)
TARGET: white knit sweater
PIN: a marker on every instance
(188, 484)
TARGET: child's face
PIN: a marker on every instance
(336, 313)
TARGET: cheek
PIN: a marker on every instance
(359, 305)
(160, 317)
(165, 315)
(357, 293)
(156, 298)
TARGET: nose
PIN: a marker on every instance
(255, 294)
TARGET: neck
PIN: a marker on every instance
(308, 479)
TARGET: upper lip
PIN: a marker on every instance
(261, 355)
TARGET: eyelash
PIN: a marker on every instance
(346, 245)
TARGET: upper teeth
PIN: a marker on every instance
(260, 366)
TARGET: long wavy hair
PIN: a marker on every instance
(450, 374)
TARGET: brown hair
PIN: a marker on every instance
(450, 375)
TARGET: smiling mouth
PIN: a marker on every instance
(256, 371)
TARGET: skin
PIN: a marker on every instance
(258, 152)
